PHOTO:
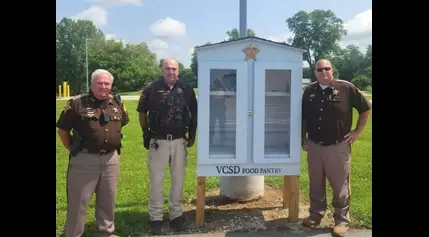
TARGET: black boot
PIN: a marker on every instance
(178, 223)
(155, 227)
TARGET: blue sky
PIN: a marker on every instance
(174, 27)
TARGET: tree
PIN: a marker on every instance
(349, 61)
(188, 76)
(234, 34)
(362, 82)
(70, 49)
(194, 64)
(318, 32)
(132, 65)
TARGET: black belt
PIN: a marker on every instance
(169, 137)
(99, 152)
(323, 143)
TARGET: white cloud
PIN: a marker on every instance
(115, 3)
(157, 45)
(360, 26)
(168, 27)
(96, 14)
(110, 37)
(191, 51)
(359, 30)
(115, 38)
(279, 38)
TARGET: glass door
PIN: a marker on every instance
(223, 104)
(275, 86)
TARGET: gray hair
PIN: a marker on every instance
(99, 72)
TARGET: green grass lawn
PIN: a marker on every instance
(131, 217)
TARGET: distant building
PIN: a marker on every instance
(305, 82)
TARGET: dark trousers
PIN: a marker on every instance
(331, 163)
(89, 173)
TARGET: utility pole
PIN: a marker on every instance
(86, 59)
(242, 188)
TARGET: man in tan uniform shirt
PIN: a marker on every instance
(97, 117)
(327, 113)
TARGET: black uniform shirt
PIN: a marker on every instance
(148, 102)
(328, 113)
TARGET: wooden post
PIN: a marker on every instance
(291, 196)
(286, 192)
(201, 202)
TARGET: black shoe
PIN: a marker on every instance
(155, 227)
(178, 223)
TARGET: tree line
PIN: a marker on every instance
(134, 65)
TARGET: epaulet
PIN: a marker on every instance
(310, 85)
(79, 96)
(118, 98)
(343, 81)
(339, 81)
(149, 84)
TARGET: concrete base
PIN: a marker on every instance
(243, 189)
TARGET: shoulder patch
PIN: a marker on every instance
(79, 96)
(67, 106)
(311, 85)
(359, 91)
(118, 98)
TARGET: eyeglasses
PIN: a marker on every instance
(327, 69)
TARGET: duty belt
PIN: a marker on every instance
(168, 137)
(99, 152)
(327, 143)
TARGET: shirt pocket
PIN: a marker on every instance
(116, 118)
(91, 122)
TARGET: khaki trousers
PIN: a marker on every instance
(332, 163)
(89, 173)
(174, 154)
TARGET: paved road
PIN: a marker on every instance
(312, 233)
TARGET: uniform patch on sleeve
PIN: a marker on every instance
(67, 106)
(125, 108)
(359, 91)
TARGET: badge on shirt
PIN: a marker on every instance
(115, 110)
(179, 90)
(335, 92)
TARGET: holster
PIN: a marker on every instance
(146, 139)
(76, 144)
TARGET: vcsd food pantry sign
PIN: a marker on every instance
(237, 170)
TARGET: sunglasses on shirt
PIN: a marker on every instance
(326, 69)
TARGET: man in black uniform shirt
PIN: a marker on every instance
(172, 108)
(327, 113)
(96, 119)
